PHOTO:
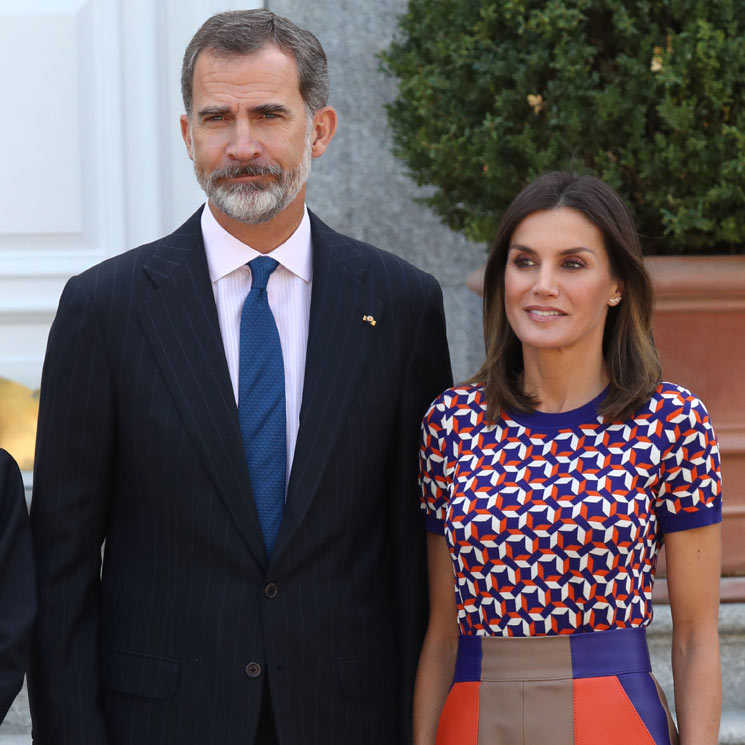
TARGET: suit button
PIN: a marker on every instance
(253, 669)
(271, 590)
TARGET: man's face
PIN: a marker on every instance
(249, 133)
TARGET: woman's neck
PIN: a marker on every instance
(561, 382)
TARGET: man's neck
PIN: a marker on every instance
(266, 236)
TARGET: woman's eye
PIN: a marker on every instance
(573, 264)
(523, 261)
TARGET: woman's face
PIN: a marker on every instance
(558, 282)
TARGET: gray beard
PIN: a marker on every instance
(253, 203)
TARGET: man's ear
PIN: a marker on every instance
(186, 134)
(324, 126)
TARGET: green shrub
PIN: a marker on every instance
(647, 94)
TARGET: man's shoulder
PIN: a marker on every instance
(11, 483)
(161, 255)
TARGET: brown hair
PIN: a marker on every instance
(240, 32)
(628, 348)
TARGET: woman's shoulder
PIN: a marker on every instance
(674, 412)
(458, 397)
(673, 401)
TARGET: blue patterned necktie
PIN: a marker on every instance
(261, 402)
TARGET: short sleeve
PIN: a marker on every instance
(690, 487)
(434, 479)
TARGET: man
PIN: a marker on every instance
(234, 410)
(17, 593)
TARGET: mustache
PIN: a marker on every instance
(248, 170)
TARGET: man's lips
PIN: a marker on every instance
(245, 177)
(246, 173)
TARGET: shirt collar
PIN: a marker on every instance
(225, 253)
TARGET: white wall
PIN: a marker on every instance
(93, 162)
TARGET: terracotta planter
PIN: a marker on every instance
(699, 328)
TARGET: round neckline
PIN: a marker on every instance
(585, 414)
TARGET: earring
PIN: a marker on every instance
(615, 300)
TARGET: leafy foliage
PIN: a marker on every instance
(649, 95)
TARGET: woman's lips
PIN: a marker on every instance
(544, 314)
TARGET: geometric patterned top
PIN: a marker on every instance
(554, 521)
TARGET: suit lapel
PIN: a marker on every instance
(180, 322)
(339, 342)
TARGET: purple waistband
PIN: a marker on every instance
(582, 655)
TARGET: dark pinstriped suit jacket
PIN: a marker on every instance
(139, 445)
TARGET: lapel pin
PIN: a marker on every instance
(369, 319)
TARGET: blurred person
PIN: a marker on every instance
(17, 585)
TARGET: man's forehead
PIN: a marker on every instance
(268, 73)
(220, 58)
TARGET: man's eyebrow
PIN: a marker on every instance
(213, 110)
(270, 108)
(265, 108)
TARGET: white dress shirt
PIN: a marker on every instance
(288, 291)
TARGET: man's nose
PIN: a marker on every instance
(244, 144)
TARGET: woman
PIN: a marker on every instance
(549, 481)
(17, 584)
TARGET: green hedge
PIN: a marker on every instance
(650, 96)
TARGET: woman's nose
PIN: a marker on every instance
(546, 282)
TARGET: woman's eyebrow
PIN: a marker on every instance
(563, 252)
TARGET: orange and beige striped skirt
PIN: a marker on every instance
(578, 689)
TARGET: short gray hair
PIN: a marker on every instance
(240, 32)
